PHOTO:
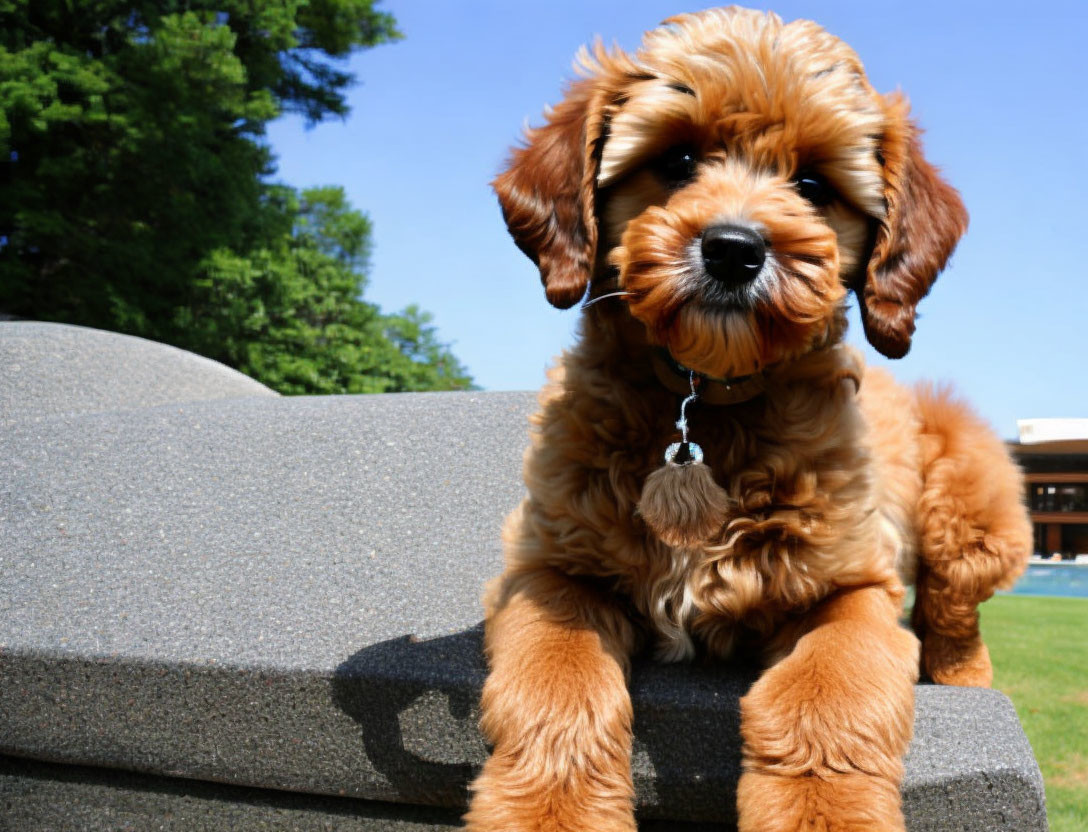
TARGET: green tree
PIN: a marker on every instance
(135, 193)
(293, 315)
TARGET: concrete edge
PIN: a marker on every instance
(402, 733)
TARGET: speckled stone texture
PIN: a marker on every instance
(55, 368)
(64, 798)
(283, 594)
(40, 797)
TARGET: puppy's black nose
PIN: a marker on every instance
(733, 254)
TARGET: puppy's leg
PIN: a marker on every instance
(556, 709)
(825, 729)
(975, 534)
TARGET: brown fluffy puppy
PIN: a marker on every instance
(726, 186)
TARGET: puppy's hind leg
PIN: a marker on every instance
(556, 709)
(975, 537)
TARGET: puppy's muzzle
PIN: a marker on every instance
(733, 254)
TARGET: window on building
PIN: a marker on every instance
(1059, 497)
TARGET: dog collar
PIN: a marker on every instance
(721, 391)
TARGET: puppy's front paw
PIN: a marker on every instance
(964, 662)
(851, 802)
(506, 800)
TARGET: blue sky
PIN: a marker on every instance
(1000, 88)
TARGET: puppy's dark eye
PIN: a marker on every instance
(677, 164)
(814, 187)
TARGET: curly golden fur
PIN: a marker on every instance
(829, 484)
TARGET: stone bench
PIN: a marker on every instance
(221, 608)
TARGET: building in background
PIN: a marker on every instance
(1054, 456)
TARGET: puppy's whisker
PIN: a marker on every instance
(599, 298)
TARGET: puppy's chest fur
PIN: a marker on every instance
(791, 530)
(802, 520)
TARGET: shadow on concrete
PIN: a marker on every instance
(43, 795)
(416, 703)
(687, 755)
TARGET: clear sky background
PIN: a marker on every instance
(1001, 89)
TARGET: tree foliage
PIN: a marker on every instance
(293, 317)
(135, 193)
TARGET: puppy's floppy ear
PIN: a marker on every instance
(547, 194)
(924, 221)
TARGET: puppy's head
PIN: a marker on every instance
(734, 178)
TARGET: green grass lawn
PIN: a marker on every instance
(1039, 648)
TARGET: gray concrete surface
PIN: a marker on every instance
(62, 798)
(55, 368)
(256, 531)
(283, 593)
(44, 797)
(201, 583)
